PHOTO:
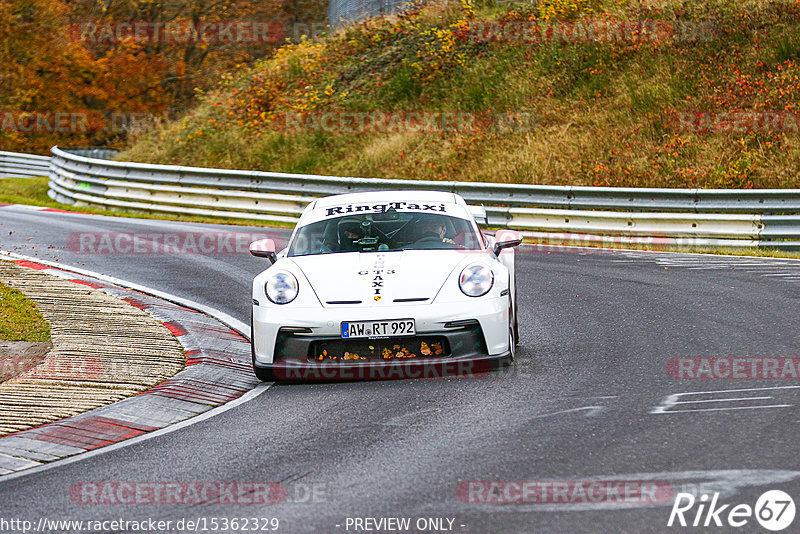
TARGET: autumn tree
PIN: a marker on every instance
(116, 62)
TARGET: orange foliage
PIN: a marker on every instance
(55, 61)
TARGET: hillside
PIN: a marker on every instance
(581, 92)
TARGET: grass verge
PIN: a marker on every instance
(20, 320)
(717, 251)
(33, 192)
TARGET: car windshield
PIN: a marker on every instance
(387, 231)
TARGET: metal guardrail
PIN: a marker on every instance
(16, 165)
(785, 201)
(93, 152)
(564, 214)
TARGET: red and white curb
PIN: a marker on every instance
(218, 372)
(29, 207)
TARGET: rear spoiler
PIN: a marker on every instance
(479, 212)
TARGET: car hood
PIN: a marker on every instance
(409, 276)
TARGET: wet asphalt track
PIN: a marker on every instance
(597, 331)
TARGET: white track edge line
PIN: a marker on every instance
(236, 324)
(250, 395)
(664, 252)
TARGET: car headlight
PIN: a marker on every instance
(281, 288)
(476, 280)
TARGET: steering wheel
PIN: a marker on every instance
(433, 241)
(428, 238)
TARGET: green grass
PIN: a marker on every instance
(719, 251)
(20, 320)
(738, 251)
(33, 192)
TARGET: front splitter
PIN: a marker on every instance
(350, 370)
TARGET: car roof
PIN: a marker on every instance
(439, 202)
(385, 196)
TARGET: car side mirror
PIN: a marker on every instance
(264, 248)
(506, 239)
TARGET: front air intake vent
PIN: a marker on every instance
(461, 324)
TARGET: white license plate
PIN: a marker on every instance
(374, 329)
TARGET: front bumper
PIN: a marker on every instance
(288, 343)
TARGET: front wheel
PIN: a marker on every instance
(512, 341)
(264, 375)
(516, 322)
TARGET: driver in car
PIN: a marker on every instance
(431, 229)
(349, 234)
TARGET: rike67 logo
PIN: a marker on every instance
(774, 510)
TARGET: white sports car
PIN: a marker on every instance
(391, 284)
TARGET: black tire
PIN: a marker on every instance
(516, 322)
(512, 335)
(265, 375)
